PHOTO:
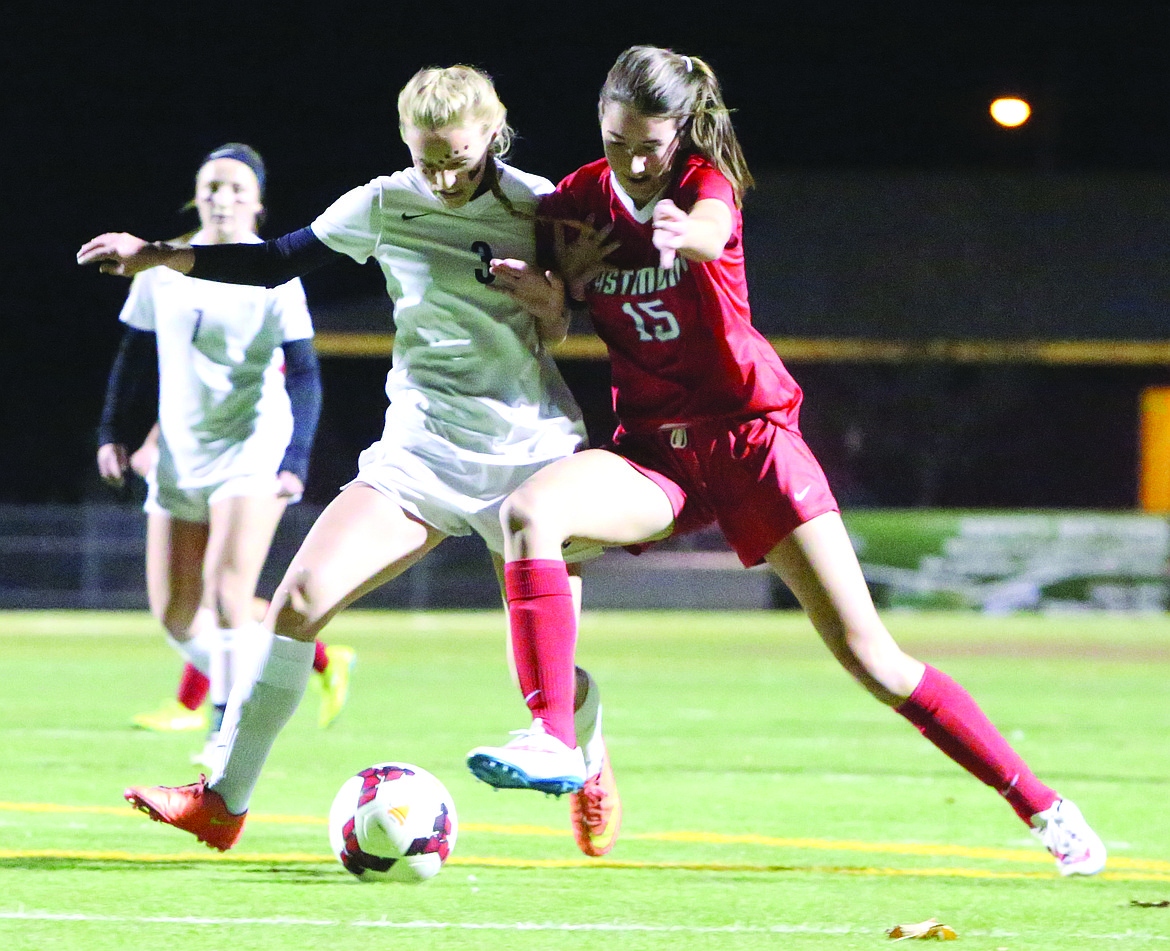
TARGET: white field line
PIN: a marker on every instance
(21, 914)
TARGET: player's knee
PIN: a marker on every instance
(523, 510)
(294, 606)
(231, 607)
(881, 666)
(177, 619)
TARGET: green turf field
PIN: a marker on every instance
(769, 802)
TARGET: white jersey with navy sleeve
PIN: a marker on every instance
(470, 380)
(223, 408)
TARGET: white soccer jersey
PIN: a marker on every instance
(223, 409)
(470, 382)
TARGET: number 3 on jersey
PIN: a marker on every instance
(484, 250)
(661, 323)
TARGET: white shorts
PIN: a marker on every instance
(194, 505)
(457, 497)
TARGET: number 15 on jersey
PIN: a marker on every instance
(652, 321)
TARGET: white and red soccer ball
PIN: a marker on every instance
(393, 822)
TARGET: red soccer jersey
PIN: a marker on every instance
(681, 344)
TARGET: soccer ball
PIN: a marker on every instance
(392, 822)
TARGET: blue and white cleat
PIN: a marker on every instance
(533, 760)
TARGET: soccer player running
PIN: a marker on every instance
(477, 405)
(239, 395)
(708, 431)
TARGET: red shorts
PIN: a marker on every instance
(757, 479)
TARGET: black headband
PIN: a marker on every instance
(241, 153)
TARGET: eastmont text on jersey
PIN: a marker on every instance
(643, 280)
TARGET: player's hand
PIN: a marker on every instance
(112, 463)
(115, 253)
(581, 259)
(671, 230)
(289, 485)
(143, 458)
(541, 293)
(127, 255)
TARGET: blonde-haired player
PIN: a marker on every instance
(476, 406)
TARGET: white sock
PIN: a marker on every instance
(199, 648)
(219, 671)
(271, 677)
(587, 723)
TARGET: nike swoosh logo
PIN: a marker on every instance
(406, 217)
(605, 833)
(799, 496)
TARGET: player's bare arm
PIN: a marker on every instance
(126, 255)
(542, 294)
(700, 235)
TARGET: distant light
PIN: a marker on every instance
(1010, 112)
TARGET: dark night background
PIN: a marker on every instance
(872, 108)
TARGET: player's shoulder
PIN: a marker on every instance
(588, 174)
(522, 189)
(384, 189)
(403, 191)
(700, 168)
(699, 178)
(405, 179)
(578, 189)
(365, 209)
(519, 180)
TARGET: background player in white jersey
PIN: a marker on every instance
(239, 396)
(476, 406)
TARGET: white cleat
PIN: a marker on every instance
(1078, 850)
(533, 760)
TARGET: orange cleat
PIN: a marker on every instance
(596, 811)
(193, 808)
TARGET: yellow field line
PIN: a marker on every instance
(1159, 869)
(471, 861)
(845, 349)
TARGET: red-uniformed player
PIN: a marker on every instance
(708, 433)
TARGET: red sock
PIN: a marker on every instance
(320, 661)
(544, 639)
(193, 687)
(947, 716)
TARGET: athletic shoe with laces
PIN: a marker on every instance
(333, 682)
(171, 717)
(193, 808)
(596, 811)
(533, 760)
(1078, 850)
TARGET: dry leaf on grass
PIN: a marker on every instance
(931, 929)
